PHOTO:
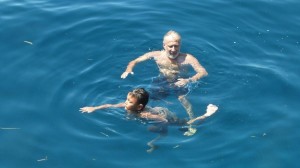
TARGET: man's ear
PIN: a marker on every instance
(140, 107)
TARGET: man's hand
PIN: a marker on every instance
(87, 109)
(125, 74)
(181, 82)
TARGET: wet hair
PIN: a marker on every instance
(141, 95)
(173, 35)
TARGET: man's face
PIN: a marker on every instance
(172, 48)
(131, 103)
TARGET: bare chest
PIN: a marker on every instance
(177, 65)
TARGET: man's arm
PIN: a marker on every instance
(199, 69)
(92, 109)
(130, 66)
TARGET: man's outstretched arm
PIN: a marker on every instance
(130, 66)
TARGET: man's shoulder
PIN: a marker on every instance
(188, 56)
(183, 56)
(156, 53)
(153, 54)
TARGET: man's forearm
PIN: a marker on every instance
(198, 76)
(130, 66)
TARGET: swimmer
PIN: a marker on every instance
(171, 62)
(173, 67)
(135, 104)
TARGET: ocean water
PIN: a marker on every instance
(58, 56)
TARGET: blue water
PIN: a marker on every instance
(58, 56)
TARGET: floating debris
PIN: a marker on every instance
(176, 146)
(9, 128)
(28, 42)
(112, 130)
(104, 134)
(44, 159)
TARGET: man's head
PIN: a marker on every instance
(171, 44)
(137, 100)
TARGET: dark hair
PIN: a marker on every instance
(141, 95)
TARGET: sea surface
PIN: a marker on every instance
(57, 56)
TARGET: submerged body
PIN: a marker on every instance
(174, 70)
(173, 67)
(135, 104)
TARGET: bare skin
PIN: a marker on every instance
(171, 62)
(171, 69)
(211, 109)
(132, 107)
(172, 65)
